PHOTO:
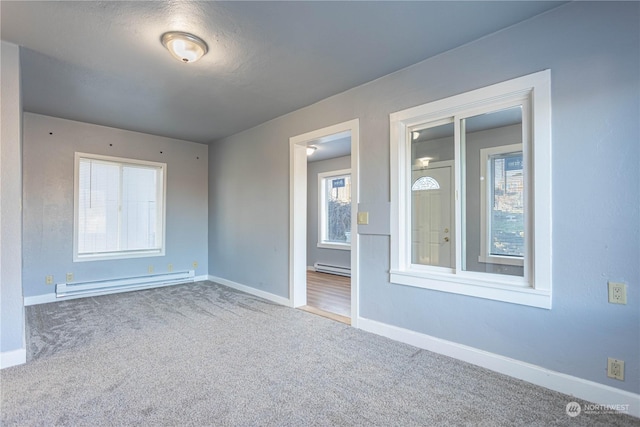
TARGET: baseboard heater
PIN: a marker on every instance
(103, 287)
(332, 269)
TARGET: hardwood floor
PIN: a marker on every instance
(329, 293)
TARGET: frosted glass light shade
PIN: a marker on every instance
(184, 47)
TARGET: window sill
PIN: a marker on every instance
(502, 260)
(497, 290)
(103, 256)
(335, 245)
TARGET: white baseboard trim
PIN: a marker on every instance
(567, 384)
(40, 299)
(201, 278)
(311, 268)
(13, 358)
(253, 291)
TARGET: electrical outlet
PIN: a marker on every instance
(170, 267)
(617, 293)
(615, 369)
(195, 264)
(150, 269)
(48, 280)
(69, 277)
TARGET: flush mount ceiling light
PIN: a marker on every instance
(424, 161)
(184, 47)
(311, 149)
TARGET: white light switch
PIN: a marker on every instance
(363, 218)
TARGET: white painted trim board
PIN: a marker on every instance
(13, 358)
(563, 383)
(40, 299)
(298, 209)
(253, 291)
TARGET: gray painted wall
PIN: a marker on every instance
(12, 312)
(314, 253)
(593, 52)
(49, 146)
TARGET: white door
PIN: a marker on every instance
(431, 217)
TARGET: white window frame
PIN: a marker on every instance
(533, 93)
(485, 206)
(161, 210)
(323, 178)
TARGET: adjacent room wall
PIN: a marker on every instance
(592, 50)
(49, 147)
(314, 253)
(12, 347)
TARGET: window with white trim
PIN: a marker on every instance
(466, 215)
(119, 208)
(334, 194)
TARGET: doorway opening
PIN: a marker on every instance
(323, 233)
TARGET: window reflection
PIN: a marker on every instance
(432, 151)
(494, 190)
(425, 183)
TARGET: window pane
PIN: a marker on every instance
(496, 223)
(98, 206)
(432, 237)
(507, 205)
(120, 207)
(338, 209)
(493, 187)
(139, 208)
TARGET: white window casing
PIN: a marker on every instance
(119, 208)
(533, 287)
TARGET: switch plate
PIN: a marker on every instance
(48, 280)
(69, 277)
(363, 218)
(617, 293)
(195, 264)
(150, 269)
(615, 368)
(170, 267)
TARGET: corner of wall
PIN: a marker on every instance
(12, 342)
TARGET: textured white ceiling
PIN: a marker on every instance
(103, 63)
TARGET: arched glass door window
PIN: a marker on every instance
(425, 183)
